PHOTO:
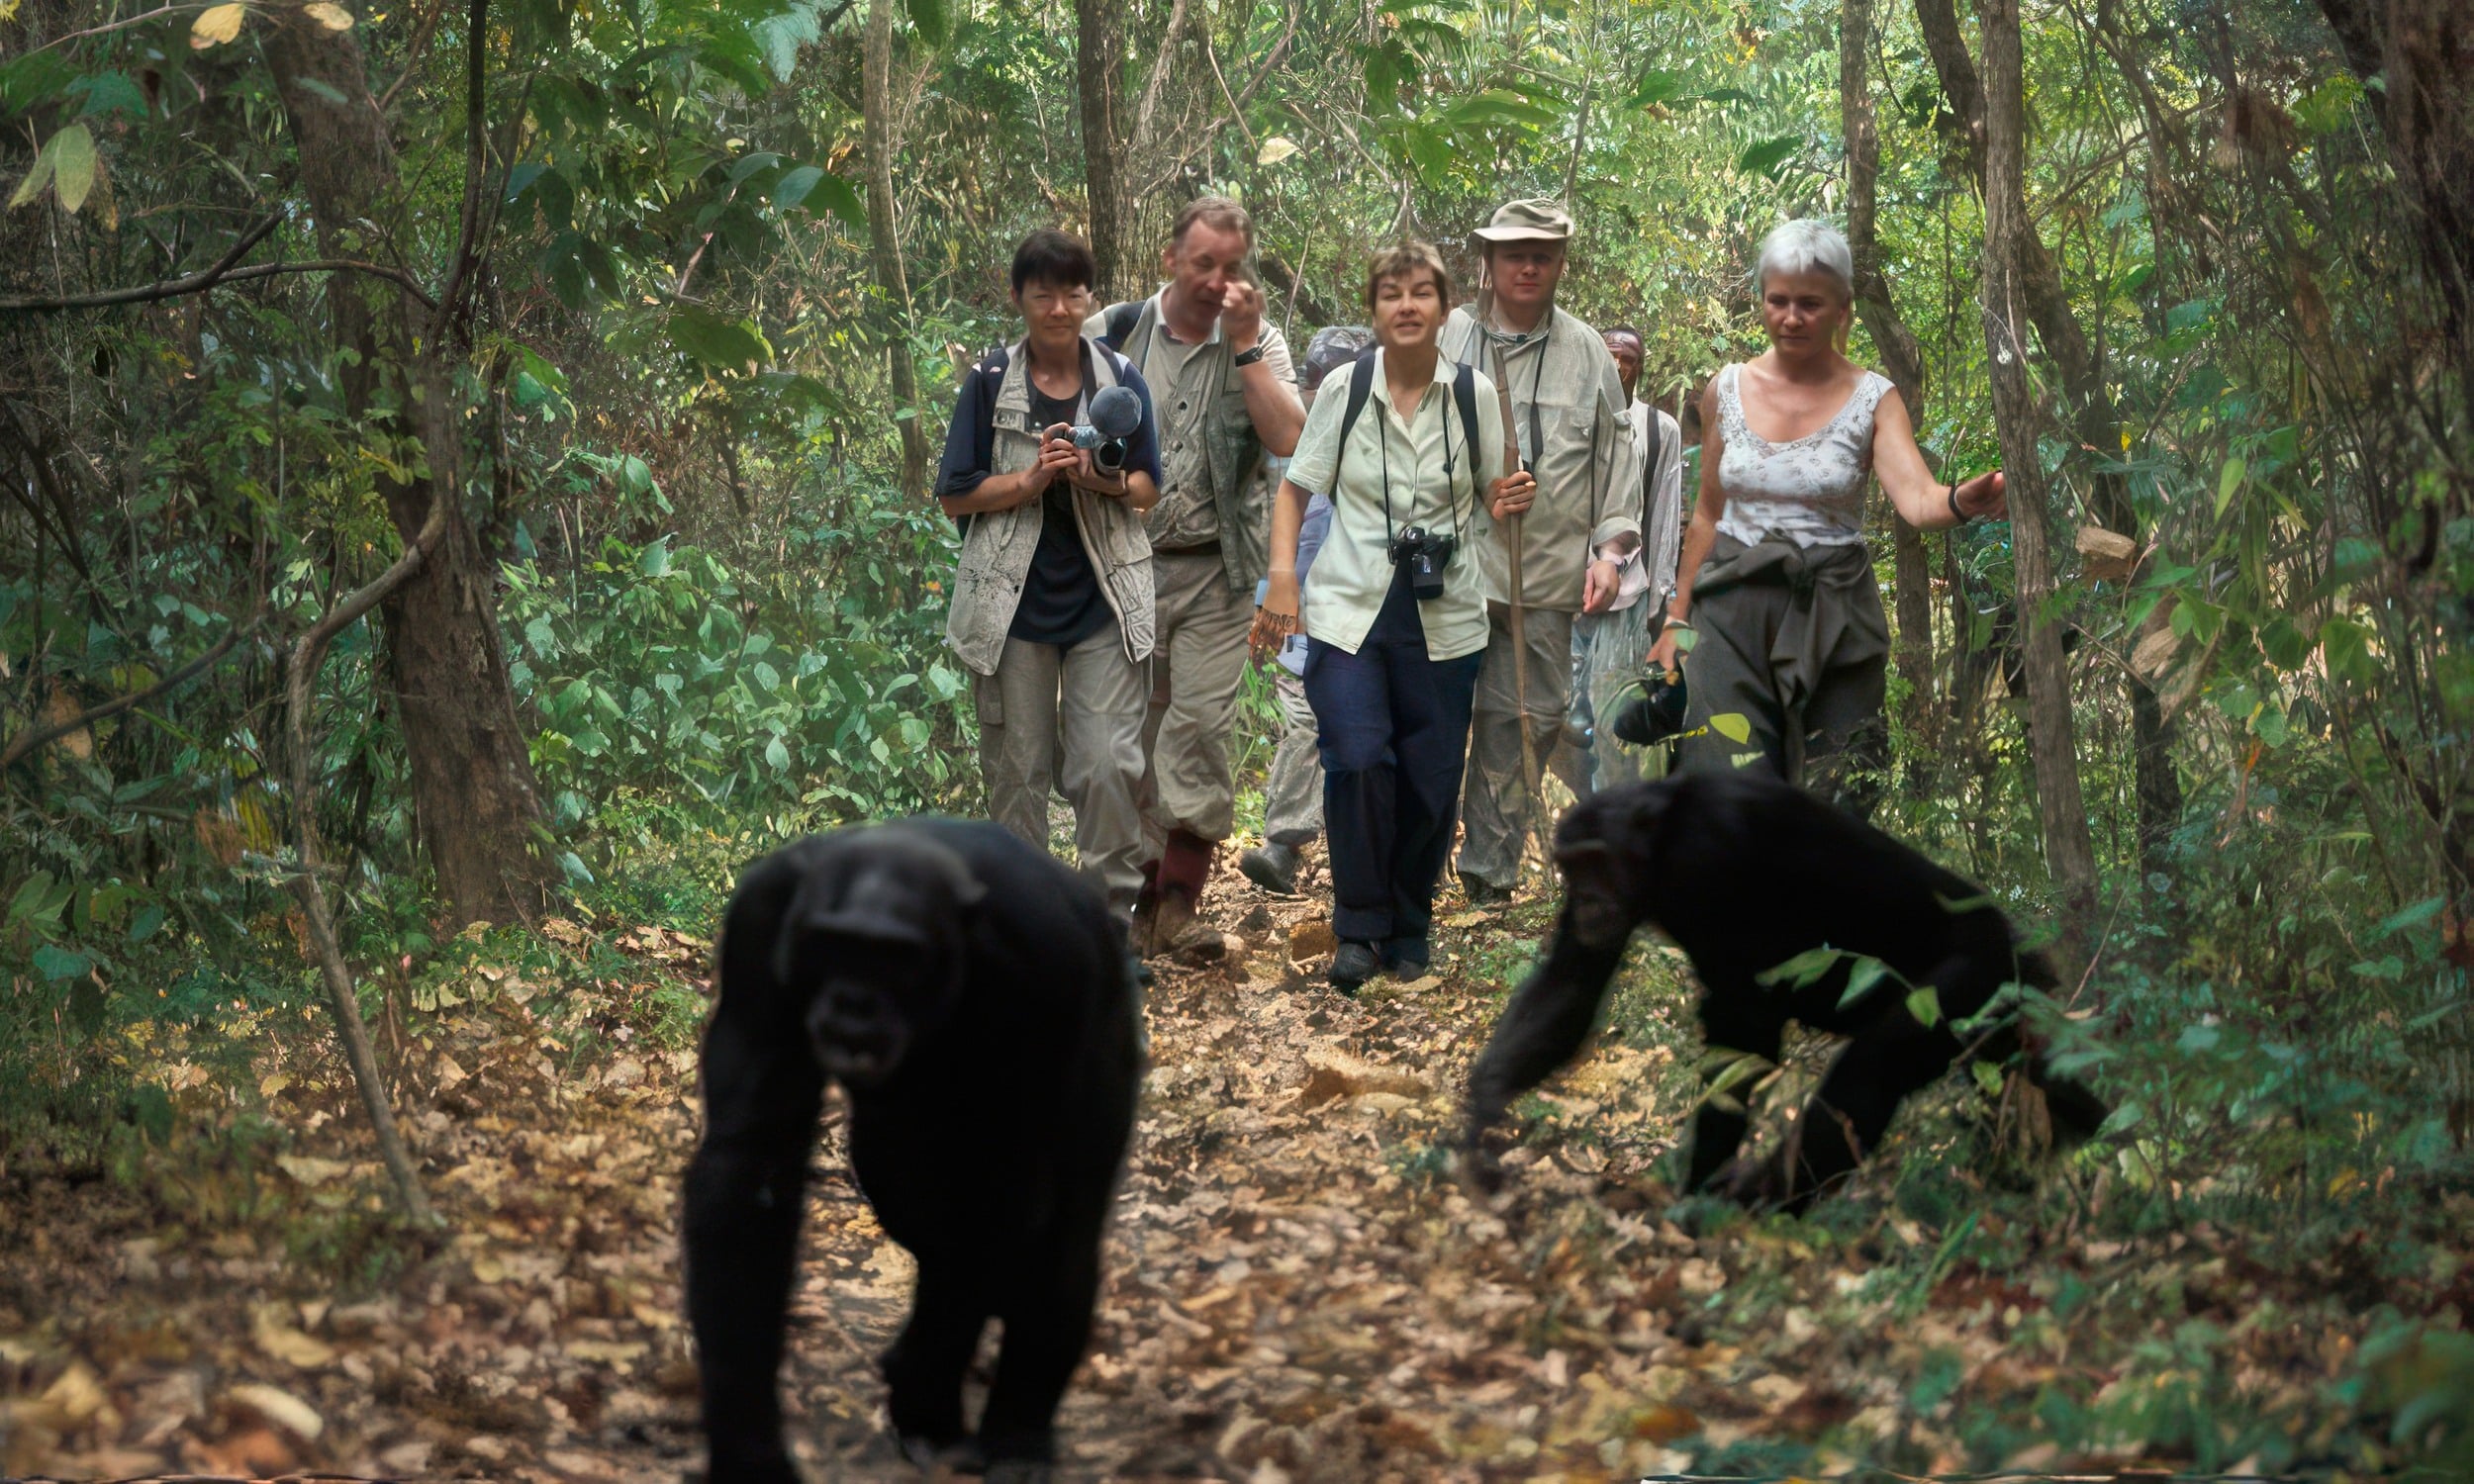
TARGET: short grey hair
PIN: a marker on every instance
(1806, 246)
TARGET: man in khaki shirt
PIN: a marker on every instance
(1225, 389)
(1567, 412)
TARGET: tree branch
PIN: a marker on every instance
(204, 278)
(198, 283)
(26, 742)
(343, 997)
(476, 154)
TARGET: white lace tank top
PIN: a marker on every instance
(1811, 491)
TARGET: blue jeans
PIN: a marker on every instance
(1395, 727)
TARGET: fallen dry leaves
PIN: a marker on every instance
(1297, 1289)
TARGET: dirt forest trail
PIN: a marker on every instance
(1297, 1289)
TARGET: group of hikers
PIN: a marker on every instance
(1456, 528)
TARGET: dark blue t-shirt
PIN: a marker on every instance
(1062, 603)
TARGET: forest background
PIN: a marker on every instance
(466, 465)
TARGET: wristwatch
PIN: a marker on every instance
(1246, 357)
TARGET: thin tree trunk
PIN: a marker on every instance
(342, 996)
(2070, 852)
(885, 239)
(2094, 420)
(474, 796)
(1100, 40)
(1901, 357)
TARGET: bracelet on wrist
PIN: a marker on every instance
(1958, 515)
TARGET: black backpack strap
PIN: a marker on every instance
(1361, 387)
(1649, 468)
(1465, 397)
(1120, 321)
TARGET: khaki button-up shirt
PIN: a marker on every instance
(1587, 467)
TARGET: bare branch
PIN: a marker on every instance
(26, 742)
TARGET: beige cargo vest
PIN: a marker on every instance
(996, 550)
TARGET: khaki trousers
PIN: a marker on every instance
(1292, 800)
(1196, 666)
(1071, 719)
(1495, 800)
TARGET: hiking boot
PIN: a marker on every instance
(1354, 965)
(1407, 957)
(1271, 866)
(1482, 893)
(1171, 889)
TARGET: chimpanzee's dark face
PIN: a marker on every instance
(877, 936)
(1605, 849)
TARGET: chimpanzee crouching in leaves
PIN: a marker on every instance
(1746, 872)
(973, 997)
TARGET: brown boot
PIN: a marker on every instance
(1183, 868)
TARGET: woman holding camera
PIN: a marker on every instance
(1411, 448)
(1774, 581)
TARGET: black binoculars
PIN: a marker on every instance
(1427, 556)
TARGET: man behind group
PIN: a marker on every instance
(1292, 797)
(1052, 601)
(1608, 647)
(1225, 387)
(1567, 413)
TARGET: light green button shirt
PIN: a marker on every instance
(1353, 573)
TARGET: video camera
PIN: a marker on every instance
(1116, 415)
(1656, 716)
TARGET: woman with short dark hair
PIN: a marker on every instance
(1052, 603)
(1411, 449)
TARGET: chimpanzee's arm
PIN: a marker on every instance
(1542, 1027)
(746, 1186)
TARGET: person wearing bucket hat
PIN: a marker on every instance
(1293, 797)
(1568, 407)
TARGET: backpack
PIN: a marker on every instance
(1362, 386)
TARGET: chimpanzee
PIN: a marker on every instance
(1746, 872)
(973, 997)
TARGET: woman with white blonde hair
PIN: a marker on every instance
(1775, 582)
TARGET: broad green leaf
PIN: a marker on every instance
(654, 560)
(1732, 725)
(1685, 638)
(1925, 1003)
(1988, 1078)
(928, 16)
(1765, 157)
(55, 963)
(72, 166)
(1861, 979)
(1803, 968)
(2348, 649)
(216, 25)
(2230, 480)
(791, 191)
(842, 200)
(35, 179)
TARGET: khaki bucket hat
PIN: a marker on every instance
(1538, 219)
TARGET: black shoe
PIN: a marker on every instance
(1408, 958)
(1273, 867)
(1354, 965)
(1482, 893)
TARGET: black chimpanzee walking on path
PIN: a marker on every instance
(1746, 872)
(973, 997)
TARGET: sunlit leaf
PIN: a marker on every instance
(216, 25)
(329, 13)
(1732, 725)
(72, 166)
(1925, 1005)
(1275, 149)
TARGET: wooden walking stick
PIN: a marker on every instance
(1512, 462)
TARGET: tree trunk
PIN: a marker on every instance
(2095, 422)
(2070, 852)
(1099, 33)
(885, 239)
(475, 799)
(1901, 357)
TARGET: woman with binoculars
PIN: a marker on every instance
(1411, 453)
